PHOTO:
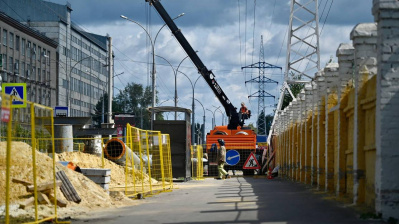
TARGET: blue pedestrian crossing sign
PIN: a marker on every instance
(232, 157)
(18, 93)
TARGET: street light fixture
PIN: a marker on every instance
(175, 73)
(153, 68)
(153, 78)
(203, 130)
(193, 107)
(218, 108)
(68, 94)
(213, 120)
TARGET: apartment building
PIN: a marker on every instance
(82, 58)
(26, 56)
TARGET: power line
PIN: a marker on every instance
(332, 1)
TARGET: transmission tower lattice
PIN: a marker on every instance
(303, 52)
(261, 94)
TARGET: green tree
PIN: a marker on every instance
(252, 126)
(98, 110)
(295, 89)
(134, 98)
(269, 121)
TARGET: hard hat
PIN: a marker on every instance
(221, 142)
(242, 103)
(213, 147)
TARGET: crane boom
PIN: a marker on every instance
(208, 75)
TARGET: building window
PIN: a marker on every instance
(5, 61)
(48, 55)
(65, 83)
(28, 71)
(28, 47)
(11, 39)
(39, 75)
(44, 53)
(23, 46)
(17, 43)
(34, 73)
(39, 50)
(11, 65)
(29, 93)
(4, 37)
(34, 52)
(16, 67)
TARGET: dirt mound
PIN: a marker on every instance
(85, 160)
(92, 195)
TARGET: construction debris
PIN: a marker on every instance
(92, 196)
(101, 177)
(67, 188)
(43, 192)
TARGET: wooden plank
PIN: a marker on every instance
(60, 203)
(43, 199)
(67, 188)
(44, 186)
(19, 181)
(27, 202)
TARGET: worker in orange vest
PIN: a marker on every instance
(243, 114)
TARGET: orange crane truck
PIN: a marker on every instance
(240, 140)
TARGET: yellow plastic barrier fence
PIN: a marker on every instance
(20, 152)
(197, 164)
(146, 158)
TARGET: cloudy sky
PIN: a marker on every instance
(227, 36)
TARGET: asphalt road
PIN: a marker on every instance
(236, 200)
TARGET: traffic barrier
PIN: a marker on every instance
(152, 173)
(20, 152)
(197, 164)
(140, 162)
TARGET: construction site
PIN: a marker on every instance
(327, 155)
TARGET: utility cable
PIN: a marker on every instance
(332, 1)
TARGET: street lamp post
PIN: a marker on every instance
(221, 113)
(153, 67)
(213, 118)
(193, 107)
(153, 78)
(175, 73)
(203, 130)
(213, 112)
(68, 94)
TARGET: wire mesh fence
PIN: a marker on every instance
(239, 156)
(24, 183)
(197, 162)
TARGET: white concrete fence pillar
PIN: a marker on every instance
(345, 54)
(332, 79)
(364, 38)
(308, 137)
(386, 14)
